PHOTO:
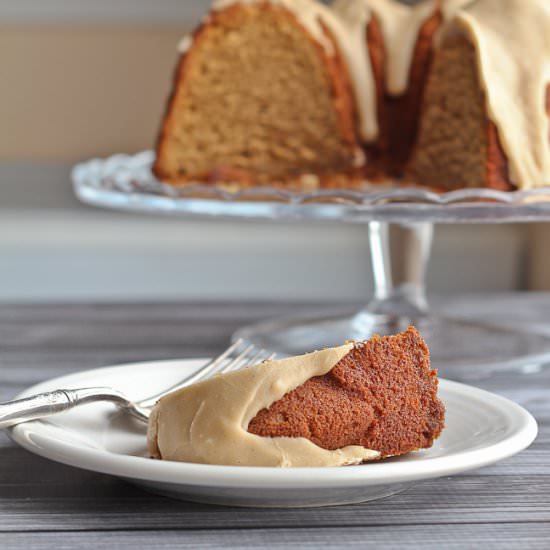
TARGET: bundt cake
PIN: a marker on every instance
(340, 406)
(293, 93)
(484, 119)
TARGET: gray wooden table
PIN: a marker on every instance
(47, 505)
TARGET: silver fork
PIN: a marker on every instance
(47, 404)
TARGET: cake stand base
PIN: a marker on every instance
(460, 349)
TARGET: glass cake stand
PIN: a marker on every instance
(400, 222)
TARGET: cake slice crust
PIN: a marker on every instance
(382, 395)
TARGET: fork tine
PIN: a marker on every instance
(260, 357)
(199, 375)
(220, 367)
(240, 358)
(213, 367)
(264, 357)
(244, 362)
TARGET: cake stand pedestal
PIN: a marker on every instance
(400, 222)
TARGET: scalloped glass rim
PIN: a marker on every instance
(125, 182)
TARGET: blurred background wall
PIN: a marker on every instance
(80, 79)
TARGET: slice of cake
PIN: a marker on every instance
(263, 96)
(335, 407)
(485, 115)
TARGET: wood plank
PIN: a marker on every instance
(118, 507)
(513, 536)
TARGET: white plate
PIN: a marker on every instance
(482, 429)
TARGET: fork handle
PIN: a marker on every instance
(46, 404)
